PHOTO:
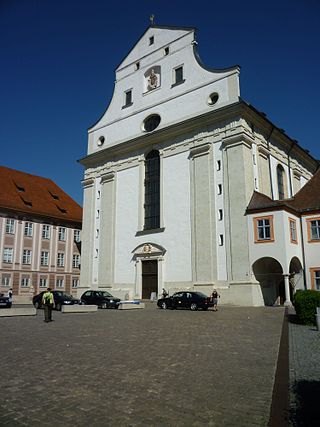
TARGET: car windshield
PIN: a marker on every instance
(63, 294)
(201, 294)
(104, 294)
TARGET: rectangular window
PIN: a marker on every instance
(263, 229)
(220, 239)
(60, 260)
(43, 282)
(28, 229)
(178, 75)
(26, 256)
(76, 236)
(219, 189)
(59, 283)
(151, 40)
(10, 226)
(75, 283)
(218, 165)
(8, 255)
(25, 282)
(128, 98)
(315, 278)
(46, 231)
(220, 214)
(6, 281)
(314, 231)
(62, 234)
(76, 261)
(293, 230)
(44, 260)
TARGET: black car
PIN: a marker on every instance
(186, 299)
(5, 302)
(102, 299)
(60, 298)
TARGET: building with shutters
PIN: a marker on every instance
(39, 235)
(170, 170)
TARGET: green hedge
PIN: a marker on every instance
(305, 304)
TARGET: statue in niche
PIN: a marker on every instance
(152, 80)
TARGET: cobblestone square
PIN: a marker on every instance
(146, 367)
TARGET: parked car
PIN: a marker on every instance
(5, 302)
(60, 298)
(102, 299)
(190, 300)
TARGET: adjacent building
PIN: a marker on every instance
(39, 235)
(170, 169)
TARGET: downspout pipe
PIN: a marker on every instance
(269, 161)
(289, 168)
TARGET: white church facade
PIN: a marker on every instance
(170, 170)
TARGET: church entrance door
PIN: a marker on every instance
(149, 278)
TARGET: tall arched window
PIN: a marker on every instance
(152, 191)
(281, 177)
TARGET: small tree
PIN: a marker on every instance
(305, 304)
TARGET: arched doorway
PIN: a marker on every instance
(296, 275)
(269, 273)
(149, 265)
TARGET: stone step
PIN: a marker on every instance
(78, 308)
(18, 311)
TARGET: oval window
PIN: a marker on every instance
(213, 98)
(100, 141)
(151, 122)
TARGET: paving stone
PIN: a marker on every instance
(146, 367)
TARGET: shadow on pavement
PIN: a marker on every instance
(306, 411)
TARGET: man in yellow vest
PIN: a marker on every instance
(48, 303)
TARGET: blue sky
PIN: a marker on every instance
(58, 59)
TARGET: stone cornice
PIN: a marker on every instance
(108, 177)
(89, 182)
(201, 150)
(237, 139)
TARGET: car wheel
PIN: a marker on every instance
(36, 304)
(103, 305)
(193, 306)
(58, 307)
(164, 305)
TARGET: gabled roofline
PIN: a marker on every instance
(165, 27)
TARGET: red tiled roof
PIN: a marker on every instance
(306, 200)
(33, 195)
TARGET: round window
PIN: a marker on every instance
(151, 122)
(213, 98)
(100, 141)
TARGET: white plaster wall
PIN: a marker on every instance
(281, 249)
(173, 104)
(312, 250)
(126, 224)
(177, 218)
(176, 238)
(220, 224)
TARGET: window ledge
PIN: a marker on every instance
(178, 83)
(150, 231)
(127, 105)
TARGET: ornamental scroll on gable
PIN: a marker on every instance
(148, 249)
(152, 78)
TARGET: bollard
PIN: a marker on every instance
(318, 318)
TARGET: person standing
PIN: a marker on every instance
(214, 299)
(48, 303)
(10, 294)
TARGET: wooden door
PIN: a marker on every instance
(149, 278)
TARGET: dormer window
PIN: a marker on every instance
(178, 76)
(127, 98)
(151, 40)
